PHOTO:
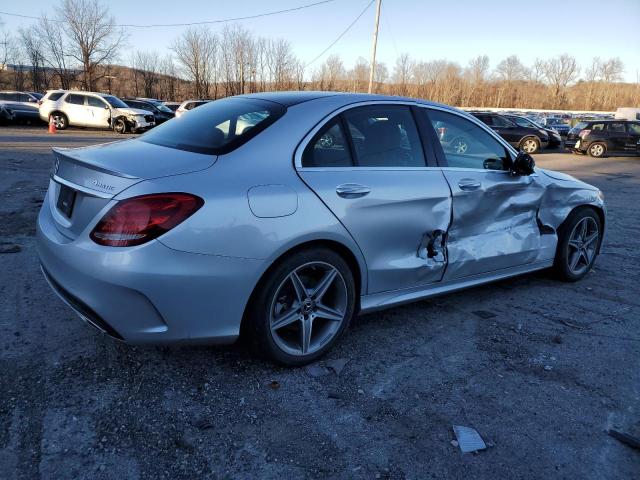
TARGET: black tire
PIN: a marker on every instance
(597, 150)
(257, 322)
(562, 263)
(59, 119)
(535, 142)
(120, 126)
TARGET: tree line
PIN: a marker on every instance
(80, 46)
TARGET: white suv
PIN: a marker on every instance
(89, 109)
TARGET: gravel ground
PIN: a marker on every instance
(540, 369)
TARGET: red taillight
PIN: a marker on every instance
(137, 220)
(584, 133)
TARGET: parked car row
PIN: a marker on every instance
(64, 108)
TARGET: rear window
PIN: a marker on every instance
(55, 96)
(217, 127)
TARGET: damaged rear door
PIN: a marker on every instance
(495, 213)
(368, 165)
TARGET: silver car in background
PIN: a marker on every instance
(279, 216)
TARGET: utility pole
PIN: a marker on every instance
(372, 67)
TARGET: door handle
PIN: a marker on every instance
(468, 184)
(352, 190)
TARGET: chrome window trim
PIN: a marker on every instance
(309, 136)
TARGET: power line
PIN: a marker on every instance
(341, 35)
(387, 26)
(189, 24)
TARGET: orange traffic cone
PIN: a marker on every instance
(52, 127)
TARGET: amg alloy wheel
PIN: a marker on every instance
(305, 305)
(578, 244)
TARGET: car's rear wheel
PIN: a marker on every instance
(302, 307)
(530, 145)
(59, 120)
(578, 244)
(597, 150)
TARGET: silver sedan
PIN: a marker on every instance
(280, 216)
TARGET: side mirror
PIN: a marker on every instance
(523, 164)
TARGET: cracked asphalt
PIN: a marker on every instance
(541, 369)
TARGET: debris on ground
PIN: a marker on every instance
(337, 365)
(316, 370)
(633, 442)
(10, 248)
(484, 314)
(469, 440)
(274, 385)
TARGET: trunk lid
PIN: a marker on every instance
(84, 180)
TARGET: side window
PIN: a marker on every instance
(598, 127)
(75, 99)
(501, 122)
(55, 96)
(467, 145)
(23, 97)
(11, 97)
(385, 136)
(95, 102)
(634, 128)
(328, 148)
(616, 128)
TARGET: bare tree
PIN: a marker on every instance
(55, 55)
(478, 69)
(402, 73)
(146, 65)
(359, 75)
(559, 73)
(34, 51)
(195, 52)
(92, 36)
(510, 69)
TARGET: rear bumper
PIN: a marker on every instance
(149, 294)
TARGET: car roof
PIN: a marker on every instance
(291, 98)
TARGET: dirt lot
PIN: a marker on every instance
(541, 369)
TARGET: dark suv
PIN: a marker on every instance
(160, 111)
(528, 139)
(600, 137)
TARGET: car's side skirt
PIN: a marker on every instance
(379, 301)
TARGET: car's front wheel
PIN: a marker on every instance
(120, 126)
(302, 307)
(578, 244)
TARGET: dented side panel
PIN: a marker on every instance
(400, 225)
(494, 223)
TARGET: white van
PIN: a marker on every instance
(628, 113)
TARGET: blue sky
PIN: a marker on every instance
(455, 30)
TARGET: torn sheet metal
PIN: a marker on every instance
(494, 225)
